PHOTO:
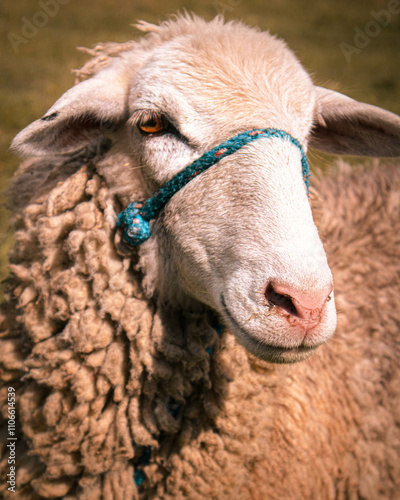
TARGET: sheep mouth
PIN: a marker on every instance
(267, 352)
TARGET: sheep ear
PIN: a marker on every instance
(348, 127)
(90, 109)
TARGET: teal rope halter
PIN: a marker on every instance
(136, 217)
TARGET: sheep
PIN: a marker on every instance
(203, 362)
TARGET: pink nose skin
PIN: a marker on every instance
(300, 308)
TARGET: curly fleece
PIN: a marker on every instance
(96, 363)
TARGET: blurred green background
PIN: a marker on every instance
(35, 72)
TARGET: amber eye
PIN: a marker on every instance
(153, 125)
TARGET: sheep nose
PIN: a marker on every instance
(301, 308)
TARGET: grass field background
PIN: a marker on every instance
(36, 72)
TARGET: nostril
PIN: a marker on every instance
(305, 306)
(283, 301)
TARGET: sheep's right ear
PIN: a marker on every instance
(345, 126)
(88, 110)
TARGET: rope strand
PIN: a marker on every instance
(136, 217)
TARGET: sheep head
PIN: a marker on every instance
(239, 238)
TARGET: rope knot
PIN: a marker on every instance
(136, 227)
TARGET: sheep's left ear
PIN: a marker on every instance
(89, 109)
(348, 127)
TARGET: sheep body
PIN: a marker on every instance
(113, 385)
(326, 428)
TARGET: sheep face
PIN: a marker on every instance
(239, 238)
(255, 255)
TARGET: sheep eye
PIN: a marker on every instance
(153, 125)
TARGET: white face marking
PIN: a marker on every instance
(245, 223)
